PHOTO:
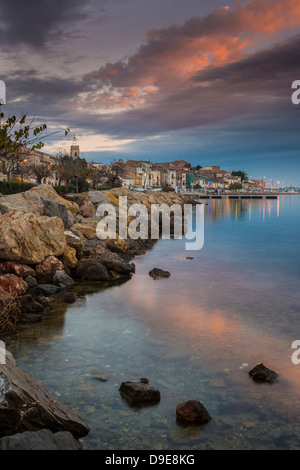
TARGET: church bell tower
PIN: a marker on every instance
(74, 149)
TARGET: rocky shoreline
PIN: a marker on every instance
(48, 243)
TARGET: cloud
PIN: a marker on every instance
(50, 100)
(35, 22)
(258, 84)
(268, 65)
(199, 73)
(171, 56)
(255, 86)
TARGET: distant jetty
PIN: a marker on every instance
(233, 196)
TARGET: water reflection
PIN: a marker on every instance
(237, 301)
(218, 209)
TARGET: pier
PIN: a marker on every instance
(230, 196)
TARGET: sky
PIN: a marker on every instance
(209, 82)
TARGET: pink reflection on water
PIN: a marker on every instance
(223, 339)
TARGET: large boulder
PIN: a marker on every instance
(79, 198)
(29, 239)
(97, 197)
(87, 209)
(52, 209)
(21, 270)
(76, 241)
(86, 230)
(62, 278)
(90, 247)
(46, 270)
(47, 193)
(91, 270)
(25, 405)
(118, 245)
(112, 261)
(22, 202)
(69, 258)
(90, 222)
(40, 440)
(13, 284)
(71, 219)
(42, 200)
(39, 201)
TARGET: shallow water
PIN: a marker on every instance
(194, 336)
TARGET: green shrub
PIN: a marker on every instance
(168, 189)
(235, 186)
(13, 187)
(71, 188)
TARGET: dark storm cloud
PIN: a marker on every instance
(53, 99)
(45, 89)
(36, 21)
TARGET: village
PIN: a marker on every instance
(37, 166)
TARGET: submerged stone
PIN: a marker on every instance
(100, 377)
(261, 373)
(66, 297)
(140, 392)
(192, 412)
(27, 304)
(31, 318)
(157, 273)
(47, 289)
(40, 440)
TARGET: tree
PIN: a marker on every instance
(80, 172)
(241, 174)
(64, 168)
(198, 167)
(18, 138)
(39, 172)
(96, 176)
(72, 170)
(114, 171)
(235, 186)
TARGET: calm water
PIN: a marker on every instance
(192, 335)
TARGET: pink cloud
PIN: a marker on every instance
(170, 57)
